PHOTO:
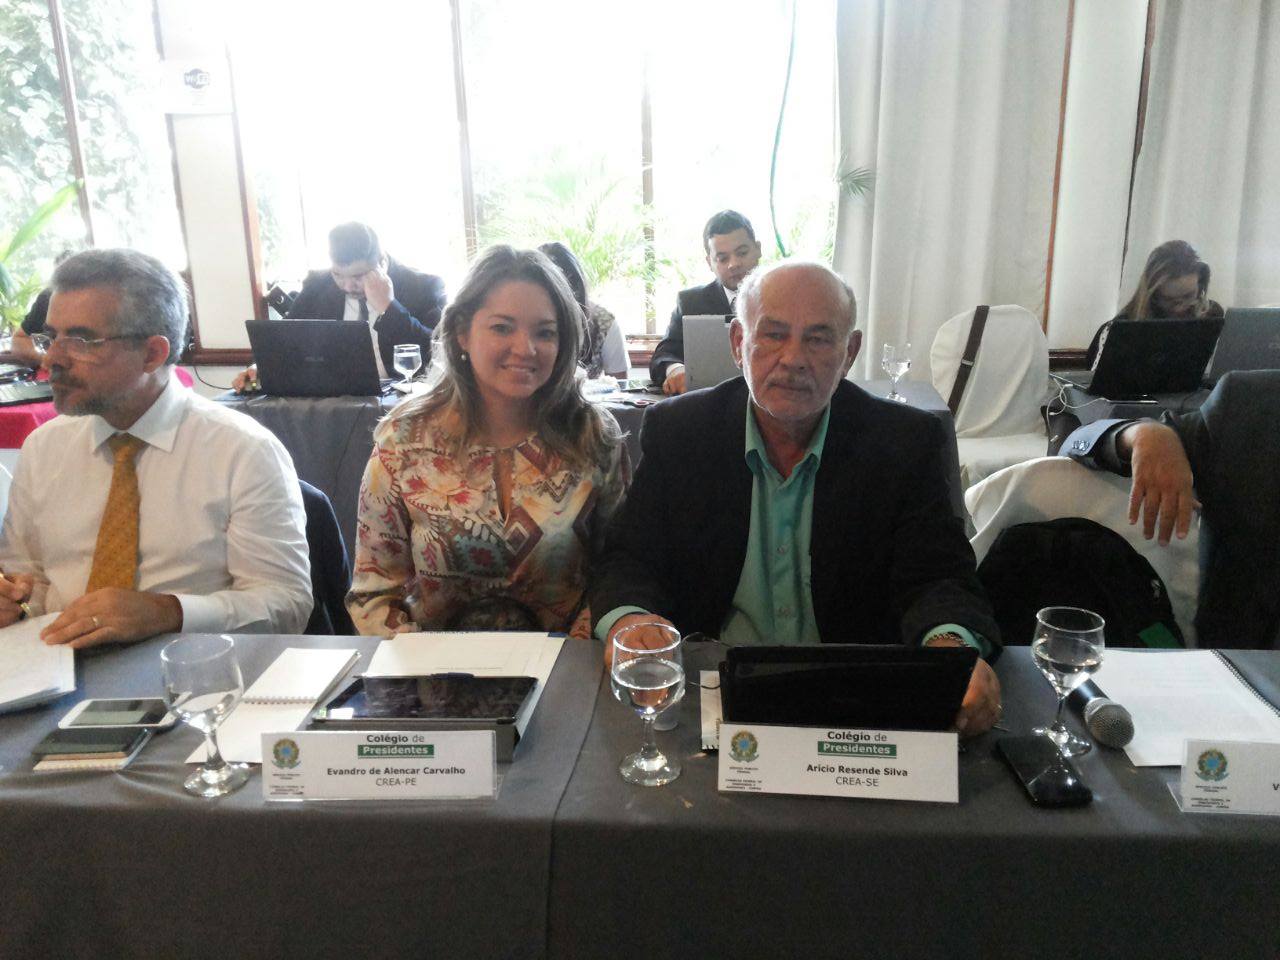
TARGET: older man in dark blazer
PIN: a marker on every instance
(364, 285)
(732, 253)
(1227, 454)
(793, 507)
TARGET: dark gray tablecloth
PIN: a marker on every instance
(685, 871)
(1089, 408)
(127, 865)
(330, 438)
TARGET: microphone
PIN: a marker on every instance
(1107, 722)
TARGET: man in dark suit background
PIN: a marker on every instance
(364, 285)
(732, 253)
(1227, 454)
(793, 507)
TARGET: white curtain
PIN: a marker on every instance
(954, 107)
(1209, 169)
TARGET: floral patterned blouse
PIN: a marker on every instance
(431, 539)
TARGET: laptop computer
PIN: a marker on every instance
(1142, 357)
(18, 392)
(846, 685)
(314, 358)
(707, 358)
(1250, 341)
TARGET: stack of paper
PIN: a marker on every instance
(278, 701)
(31, 671)
(1181, 695)
(481, 654)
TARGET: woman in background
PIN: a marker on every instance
(1174, 285)
(485, 499)
(604, 349)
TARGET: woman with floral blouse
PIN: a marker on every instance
(485, 499)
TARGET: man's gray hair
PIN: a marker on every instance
(749, 289)
(153, 301)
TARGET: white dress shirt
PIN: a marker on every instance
(351, 314)
(221, 522)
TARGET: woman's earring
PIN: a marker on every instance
(464, 356)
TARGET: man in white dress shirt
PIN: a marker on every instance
(145, 508)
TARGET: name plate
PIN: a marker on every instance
(884, 764)
(370, 765)
(1231, 776)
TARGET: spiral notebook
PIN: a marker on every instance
(1180, 695)
(279, 700)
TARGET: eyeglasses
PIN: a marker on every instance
(78, 347)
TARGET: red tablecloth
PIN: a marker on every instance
(17, 422)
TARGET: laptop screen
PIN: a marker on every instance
(314, 358)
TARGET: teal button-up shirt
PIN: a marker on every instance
(773, 603)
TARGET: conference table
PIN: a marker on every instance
(570, 861)
(330, 438)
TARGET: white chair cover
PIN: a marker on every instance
(998, 423)
(1052, 487)
(1010, 375)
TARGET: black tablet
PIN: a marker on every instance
(846, 685)
(430, 698)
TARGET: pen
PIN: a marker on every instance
(26, 608)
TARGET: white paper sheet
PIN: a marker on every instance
(31, 671)
(300, 675)
(1181, 695)
(482, 654)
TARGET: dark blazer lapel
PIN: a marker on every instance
(726, 499)
(717, 296)
(840, 490)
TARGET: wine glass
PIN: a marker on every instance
(1067, 648)
(408, 358)
(648, 674)
(202, 684)
(895, 361)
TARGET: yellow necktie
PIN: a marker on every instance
(115, 557)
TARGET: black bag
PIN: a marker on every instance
(1075, 562)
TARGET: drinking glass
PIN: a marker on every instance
(895, 361)
(648, 674)
(202, 684)
(1067, 648)
(408, 358)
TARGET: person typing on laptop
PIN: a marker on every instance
(732, 252)
(1174, 285)
(364, 285)
(791, 507)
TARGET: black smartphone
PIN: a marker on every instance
(92, 743)
(1050, 779)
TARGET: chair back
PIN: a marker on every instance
(330, 566)
(1010, 375)
(1049, 488)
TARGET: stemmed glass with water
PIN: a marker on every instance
(896, 362)
(648, 675)
(202, 684)
(407, 359)
(1067, 647)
